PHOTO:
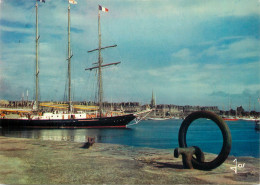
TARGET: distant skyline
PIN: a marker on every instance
(192, 52)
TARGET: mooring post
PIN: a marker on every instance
(187, 154)
(91, 141)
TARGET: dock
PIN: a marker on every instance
(32, 161)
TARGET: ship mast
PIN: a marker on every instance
(37, 64)
(99, 66)
(69, 59)
(100, 61)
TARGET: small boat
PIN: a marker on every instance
(158, 119)
(154, 117)
(230, 118)
(249, 118)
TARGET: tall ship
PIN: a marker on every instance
(36, 118)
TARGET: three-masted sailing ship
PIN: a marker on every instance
(69, 119)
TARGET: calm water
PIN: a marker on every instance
(158, 134)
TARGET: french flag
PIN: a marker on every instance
(42, 1)
(73, 2)
(103, 8)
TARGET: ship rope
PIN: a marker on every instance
(112, 77)
(89, 92)
(138, 95)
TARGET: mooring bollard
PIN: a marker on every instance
(187, 153)
(91, 141)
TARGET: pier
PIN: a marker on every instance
(30, 161)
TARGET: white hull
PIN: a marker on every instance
(158, 119)
(250, 119)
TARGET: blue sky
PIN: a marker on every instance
(192, 52)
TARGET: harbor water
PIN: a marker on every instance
(158, 134)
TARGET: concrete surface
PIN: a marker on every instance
(30, 161)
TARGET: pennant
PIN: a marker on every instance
(73, 2)
(102, 8)
(42, 1)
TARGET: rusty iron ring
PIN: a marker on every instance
(227, 141)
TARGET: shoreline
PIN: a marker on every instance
(32, 161)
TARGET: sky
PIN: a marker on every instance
(188, 52)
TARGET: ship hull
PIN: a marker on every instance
(104, 122)
(230, 119)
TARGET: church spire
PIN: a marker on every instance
(153, 103)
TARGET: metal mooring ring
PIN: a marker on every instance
(226, 147)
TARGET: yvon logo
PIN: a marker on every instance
(235, 168)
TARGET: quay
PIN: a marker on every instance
(33, 161)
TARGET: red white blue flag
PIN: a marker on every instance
(42, 1)
(73, 2)
(102, 8)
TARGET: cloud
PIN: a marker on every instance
(184, 50)
(200, 8)
(242, 49)
(247, 98)
(209, 77)
(245, 94)
(184, 55)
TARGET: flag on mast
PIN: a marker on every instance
(73, 2)
(42, 1)
(102, 8)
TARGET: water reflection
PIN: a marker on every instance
(156, 134)
(75, 135)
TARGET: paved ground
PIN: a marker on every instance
(29, 161)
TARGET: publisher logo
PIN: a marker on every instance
(237, 166)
